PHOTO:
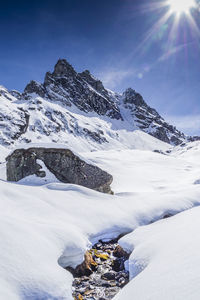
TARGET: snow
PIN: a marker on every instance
(165, 259)
(138, 170)
(3, 153)
(35, 180)
(45, 227)
(59, 122)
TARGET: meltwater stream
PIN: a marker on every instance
(102, 274)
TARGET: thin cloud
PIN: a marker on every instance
(165, 56)
(173, 51)
(113, 78)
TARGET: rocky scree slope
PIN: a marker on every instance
(70, 105)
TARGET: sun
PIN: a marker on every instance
(181, 6)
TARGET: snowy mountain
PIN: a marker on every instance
(49, 229)
(71, 107)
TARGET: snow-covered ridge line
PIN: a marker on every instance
(72, 108)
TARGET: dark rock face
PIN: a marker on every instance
(66, 166)
(120, 252)
(70, 90)
(193, 138)
(95, 83)
(63, 69)
(95, 135)
(131, 97)
(149, 120)
(35, 87)
(67, 86)
(80, 92)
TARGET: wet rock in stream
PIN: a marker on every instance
(102, 274)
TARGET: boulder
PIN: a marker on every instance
(120, 252)
(85, 268)
(63, 163)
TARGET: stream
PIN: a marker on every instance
(102, 274)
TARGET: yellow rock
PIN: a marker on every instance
(102, 256)
(80, 297)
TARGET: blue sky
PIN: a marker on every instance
(123, 42)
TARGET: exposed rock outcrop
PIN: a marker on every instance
(86, 267)
(34, 87)
(71, 104)
(120, 252)
(149, 120)
(63, 163)
(65, 85)
(69, 87)
(94, 82)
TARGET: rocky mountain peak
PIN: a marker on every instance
(82, 89)
(94, 82)
(72, 90)
(129, 92)
(34, 87)
(132, 97)
(63, 69)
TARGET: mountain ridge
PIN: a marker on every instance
(68, 104)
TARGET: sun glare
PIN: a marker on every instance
(169, 25)
(181, 6)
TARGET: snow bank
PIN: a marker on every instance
(145, 171)
(46, 227)
(165, 259)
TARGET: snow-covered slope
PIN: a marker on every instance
(13, 119)
(49, 122)
(165, 259)
(75, 108)
(46, 225)
(49, 226)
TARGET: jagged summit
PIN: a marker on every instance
(71, 106)
(67, 86)
(34, 87)
(94, 82)
(132, 97)
(63, 68)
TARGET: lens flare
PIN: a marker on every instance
(181, 6)
(176, 28)
(172, 17)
